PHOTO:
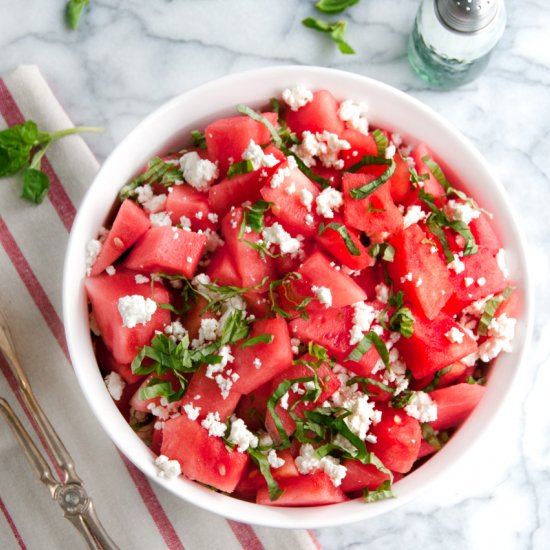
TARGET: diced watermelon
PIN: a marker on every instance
(222, 269)
(376, 214)
(315, 489)
(398, 438)
(251, 267)
(431, 185)
(414, 262)
(455, 372)
(360, 476)
(130, 224)
(205, 393)
(455, 403)
(318, 115)
(484, 234)
(425, 449)
(167, 249)
(227, 138)
(286, 197)
(142, 405)
(186, 201)
(235, 191)
(486, 278)
(107, 363)
(361, 145)
(104, 292)
(252, 407)
(273, 358)
(202, 457)
(400, 183)
(333, 242)
(429, 349)
(192, 319)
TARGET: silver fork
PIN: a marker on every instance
(69, 492)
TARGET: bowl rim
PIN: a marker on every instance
(85, 365)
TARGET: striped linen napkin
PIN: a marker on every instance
(136, 512)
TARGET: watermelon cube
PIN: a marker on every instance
(455, 403)
(186, 201)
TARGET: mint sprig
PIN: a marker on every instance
(22, 148)
(333, 7)
(73, 12)
(335, 29)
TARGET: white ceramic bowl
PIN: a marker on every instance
(170, 125)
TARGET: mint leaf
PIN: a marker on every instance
(35, 185)
(336, 30)
(73, 12)
(332, 7)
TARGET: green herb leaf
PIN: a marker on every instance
(254, 217)
(490, 309)
(370, 339)
(235, 328)
(436, 379)
(381, 141)
(415, 178)
(198, 139)
(242, 167)
(156, 388)
(16, 144)
(366, 381)
(382, 492)
(369, 160)
(437, 231)
(344, 233)
(402, 319)
(382, 250)
(158, 171)
(430, 436)
(336, 30)
(259, 339)
(369, 188)
(261, 461)
(299, 306)
(402, 400)
(73, 12)
(332, 7)
(35, 185)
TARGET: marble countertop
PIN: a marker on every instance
(129, 57)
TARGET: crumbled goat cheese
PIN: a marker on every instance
(155, 203)
(257, 363)
(136, 310)
(212, 217)
(481, 281)
(197, 172)
(241, 436)
(389, 153)
(323, 294)
(255, 154)
(354, 114)
(191, 411)
(167, 469)
(309, 219)
(455, 210)
(382, 292)
(468, 281)
(323, 145)
(275, 234)
(306, 198)
(328, 201)
(141, 279)
(363, 316)
(406, 277)
(273, 460)
(422, 407)
(110, 270)
(199, 215)
(160, 219)
(208, 332)
(115, 385)
(413, 215)
(295, 345)
(478, 307)
(213, 425)
(456, 265)
(93, 248)
(501, 262)
(297, 97)
(455, 335)
(500, 335)
(144, 193)
(284, 401)
(307, 462)
(185, 222)
(176, 331)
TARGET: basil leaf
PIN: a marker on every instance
(366, 381)
(158, 171)
(260, 339)
(198, 139)
(344, 233)
(242, 167)
(73, 12)
(336, 30)
(436, 379)
(156, 389)
(332, 7)
(431, 437)
(402, 400)
(470, 245)
(437, 231)
(369, 188)
(370, 339)
(369, 160)
(490, 309)
(415, 178)
(254, 217)
(243, 109)
(381, 141)
(235, 328)
(35, 185)
(383, 250)
(402, 321)
(261, 461)
(382, 492)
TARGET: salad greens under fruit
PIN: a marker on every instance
(297, 308)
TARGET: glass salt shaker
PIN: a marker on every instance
(452, 40)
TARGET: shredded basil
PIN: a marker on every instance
(381, 141)
(382, 492)
(436, 379)
(198, 139)
(382, 250)
(369, 160)
(370, 339)
(242, 167)
(367, 381)
(158, 171)
(369, 188)
(333, 7)
(344, 233)
(261, 461)
(490, 309)
(259, 339)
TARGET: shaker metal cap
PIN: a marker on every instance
(467, 15)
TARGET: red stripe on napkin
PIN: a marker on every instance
(12, 525)
(315, 540)
(158, 514)
(34, 287)
(57, 195)
(14, 386)
(246, 535)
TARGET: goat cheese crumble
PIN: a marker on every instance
(136, 310)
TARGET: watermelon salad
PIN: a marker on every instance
(297, 308)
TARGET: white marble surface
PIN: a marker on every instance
(129, 57)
